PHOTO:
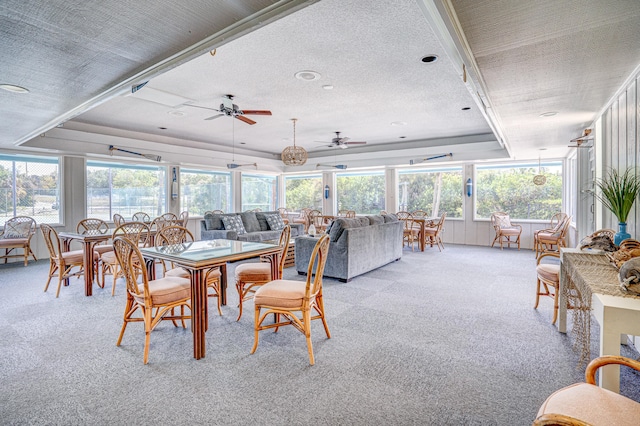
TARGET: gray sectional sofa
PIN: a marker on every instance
(255, 225)
(357, 245)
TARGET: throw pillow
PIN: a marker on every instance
(275, 222)
(233, 223)
(17, 230)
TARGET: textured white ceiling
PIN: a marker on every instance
(532, 57)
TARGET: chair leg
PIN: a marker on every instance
(320, 308)
(306, 320)
(555, 306)
(256, 326)
(537, 294)
(128, 311)
(147, 334)
(240, 288)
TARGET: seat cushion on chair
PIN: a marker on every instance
(592, 404)
(548, 272)
(177, 272)
(103, 248)
(281, 294)
(13, 242)
(510, 231)
(167, 290)
(548, 236)
(77, 256)
(109, 257)
(252, 272)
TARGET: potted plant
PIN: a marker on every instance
(618, 191)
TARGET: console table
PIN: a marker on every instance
(589, 283)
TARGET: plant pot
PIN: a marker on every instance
(622, 233)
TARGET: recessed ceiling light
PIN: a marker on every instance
(307, 75)
(402, 137)
(162, 128)
(177, 113)
(328, 87)
(548, 114)
(13, 88)
(430, 58)
(466, 108)
(243, 143)
(398, 123)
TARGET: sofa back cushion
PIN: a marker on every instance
(375, 220)
(213, 222)
(390, 218)
(339, 225)
(250, 221)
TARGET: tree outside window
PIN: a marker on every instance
(303, 192)
(124, 189)
(435, 191)
(511, 189)
(201, 191)
(30, 186)
(362, 192)
(259, 192)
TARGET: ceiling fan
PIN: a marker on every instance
(583, 141)
(229, 109)
(342, 143)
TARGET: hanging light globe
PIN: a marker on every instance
(294, 155)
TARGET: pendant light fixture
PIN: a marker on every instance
(294, 155)
(539, 179)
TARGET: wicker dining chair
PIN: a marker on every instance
(17, 234)
(175, 235)
(434, 233)
(155, 299)
(555, 226)
(137, 232)
(410, 234)
(90, 225)
(250, 276)
(141, 217)
(505, 230)
(183, 218)
(62, 263)
(288, 299)
(118, 219)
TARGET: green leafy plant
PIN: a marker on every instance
(618, 192)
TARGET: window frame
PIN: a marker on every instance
(228, 174)
(36, 159)
(459, 169)
(275, 185)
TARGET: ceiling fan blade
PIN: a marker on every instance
(256, 112)
(344, 140)
(245, 119)
(201, 107)
(213, 117)
(355, 143)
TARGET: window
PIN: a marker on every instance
(259, 192)
(435, 191)
(362, 192)
(30, 186)
(511, 189)
(202, 191)
(303, 191)
(125, 189)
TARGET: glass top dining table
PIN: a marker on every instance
(198, 257)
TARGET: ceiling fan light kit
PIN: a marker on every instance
(294, 155)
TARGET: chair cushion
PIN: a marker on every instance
(167, 290)
(234, 223)
(548, 236)
(177, 272)
(510, 231)
(592, 404)
(253, 272)
(548, 272)
(14, 229)
(77, 256)
(281, 294)
(109, 257)
(103, 248)
(13, 242)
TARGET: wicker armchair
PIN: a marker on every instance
(17, 234)
(506, 232)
